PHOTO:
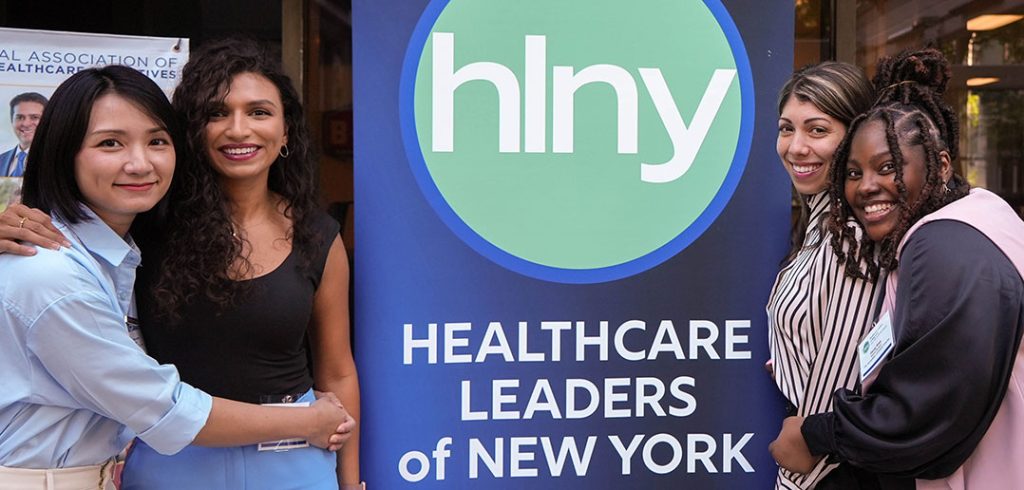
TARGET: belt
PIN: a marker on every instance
(95, 477)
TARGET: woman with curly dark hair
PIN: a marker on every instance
(245, 289)
(248, 292)
(76, 385)
(942, 396)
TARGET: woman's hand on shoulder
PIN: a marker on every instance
(31, 226)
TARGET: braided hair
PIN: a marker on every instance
(910, 107)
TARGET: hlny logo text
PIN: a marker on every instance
(686, 139)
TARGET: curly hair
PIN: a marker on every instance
(201, 253)
(841, 91)
(910, 106)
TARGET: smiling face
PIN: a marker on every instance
(24, 121)
(125, 163)
(870, 179)
(246, 133)
(807, 139)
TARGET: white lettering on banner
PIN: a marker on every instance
(701, 452)
(521, 458)
(524, 353)
(446, 79)
(440, 454)
(699, 448)
(630, 341)
(429, 343)
(620, 398)
(566, 81)
(451, 343)
(521, 452)
(604, 397)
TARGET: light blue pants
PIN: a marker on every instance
(232, 468)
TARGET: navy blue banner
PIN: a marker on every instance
(569, 218)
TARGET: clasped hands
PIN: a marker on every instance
(334, 425)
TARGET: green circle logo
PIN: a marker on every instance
(577, 141)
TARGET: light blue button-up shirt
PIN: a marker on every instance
(74, 387)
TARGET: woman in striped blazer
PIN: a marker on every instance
(816, 314)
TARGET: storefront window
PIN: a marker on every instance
(328, 101)
(813, 38)
(984, 41)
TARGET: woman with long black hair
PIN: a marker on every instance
(245, 289)
(76, 387)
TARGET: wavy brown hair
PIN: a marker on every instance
(910, 106)
(200, 252)
(841, 91)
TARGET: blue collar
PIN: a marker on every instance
(101, 240)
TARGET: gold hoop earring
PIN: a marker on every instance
(284, 151)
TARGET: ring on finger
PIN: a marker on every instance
(21, 224)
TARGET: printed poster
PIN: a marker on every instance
(570, 216)
(34, 62)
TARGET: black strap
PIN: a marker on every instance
(883, 274)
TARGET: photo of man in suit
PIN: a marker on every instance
(26, 110)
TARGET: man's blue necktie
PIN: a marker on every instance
(19, 167)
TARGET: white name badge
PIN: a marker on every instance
(135, 331)
(284, 444)
(875, 347)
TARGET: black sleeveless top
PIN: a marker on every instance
(258, 346)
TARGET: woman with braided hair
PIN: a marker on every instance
(942, 397)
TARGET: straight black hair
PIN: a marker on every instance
(50, 171)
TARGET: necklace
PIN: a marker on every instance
(238, 230)
(264, 217)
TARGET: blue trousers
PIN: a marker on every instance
(231, 468)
